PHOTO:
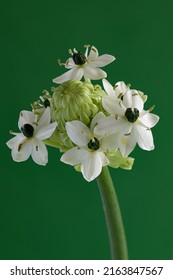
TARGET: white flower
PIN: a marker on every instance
(90, 149)
(29, 141)
(85, 65)
(129, 122)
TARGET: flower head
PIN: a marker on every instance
(29, 141)
(129, 121)
(90, 150)
(82, 64)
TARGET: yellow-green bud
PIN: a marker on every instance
(116, 160)
(74, 100)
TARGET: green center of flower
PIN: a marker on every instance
(94, 144)
(79, 58)
(132, 115)
(27, 130)
(46, 103)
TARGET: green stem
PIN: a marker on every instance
(113, 217)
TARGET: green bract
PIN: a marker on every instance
(117, 160)
(73, 100)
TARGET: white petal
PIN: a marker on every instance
(79, 74)
(74, 156)
(46, 131)
(108, 88)
(102, 60)
(137, 101)
(110, 125)
(95, 120)
(113, 105)
(105, 160)
(120, 87)
(144, 137)
(74, 73)
(78, 132)
(86, 51)
(26, 117)
(39, 152)
(93, 54)
(70, 63)
(109, 142)
(127, 144)
(132, 99)
(22, 153)
(127, 99)
(45, 118)
(91, 167)
(94, 73)
(15, 141)
(149, 120)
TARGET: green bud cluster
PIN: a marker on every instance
(74, 100)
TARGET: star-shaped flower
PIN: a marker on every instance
(85, 65)
(29, 141)
(90, 148)
(129, 122)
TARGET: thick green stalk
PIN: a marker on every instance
(113, 217)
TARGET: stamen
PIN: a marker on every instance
(94, 50)
(127, 134)
(116, 116)
(120, 96)
(151, 108)
(86, 46)
(134, 94)
(70, 51)
(12, 132)
(21, 144)
(86, 51)
(60, 63)
(115, 86)
(19, 147)
(41, 98)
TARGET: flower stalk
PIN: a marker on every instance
(113, 217)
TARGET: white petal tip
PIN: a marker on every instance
(56, 81)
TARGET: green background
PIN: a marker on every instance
(51, 212)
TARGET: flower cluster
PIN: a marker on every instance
(93, 126)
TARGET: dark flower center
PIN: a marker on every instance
(46, 103)
(132, 115)
(94, 144)
(27, 130)
(79, 58)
